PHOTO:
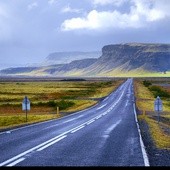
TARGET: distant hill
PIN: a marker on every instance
(67, 57)
(130, 59)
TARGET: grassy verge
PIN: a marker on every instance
(45, 97)
(160, 131)
(13, 121)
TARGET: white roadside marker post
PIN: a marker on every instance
(158, 107)
(26, 105)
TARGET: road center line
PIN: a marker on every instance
(88, 123)
(29, 151)
(126, 103)
(16, 162)
(77, 129)
(112, 127)
(49, 144)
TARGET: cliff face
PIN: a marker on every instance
(130, 57)
(152, 57)
(117, 59)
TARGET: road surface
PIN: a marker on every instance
(106, 134)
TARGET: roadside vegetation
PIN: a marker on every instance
(146, 92)
(46, 97)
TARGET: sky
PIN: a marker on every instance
(32, 29)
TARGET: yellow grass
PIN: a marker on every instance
(161, 139)
(80, 105)
(145, 102)
(103, 92)
(79, 92)
(13, 121)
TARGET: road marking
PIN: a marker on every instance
(105, 99)
(48, 143)
(98, 116)
(70, 120)
(126, 103)
(53, 142)
(104, 113)
(101, 106)
(77, 129)
(89, 122)
(29, 151)
(144, 154)
(112, 127)
(8, 132)
(50, 127)
(16, 162)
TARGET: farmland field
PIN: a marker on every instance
(46, 96)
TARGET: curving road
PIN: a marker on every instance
(106, 134)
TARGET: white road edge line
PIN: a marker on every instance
(53, 139)
(105, 99)
(101, 106)
(145, 156)
(15, 129)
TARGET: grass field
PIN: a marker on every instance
(145, 96)
(72, 96)
(46, 96)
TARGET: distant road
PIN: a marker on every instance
(106, 134)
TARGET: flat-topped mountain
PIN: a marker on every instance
(132, 56)
(116, 60)
(67, 57)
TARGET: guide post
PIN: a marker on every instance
(158, 106)
(26, 105)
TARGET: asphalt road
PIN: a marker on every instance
(106, 134)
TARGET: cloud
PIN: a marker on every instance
(141, 13)
(4, 25)
(32, 5)
(68, 9)
(108, 2)
(51, 2)
(101, 20)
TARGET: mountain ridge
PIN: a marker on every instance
(116, 60)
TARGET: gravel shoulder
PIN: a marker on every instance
(157, 157)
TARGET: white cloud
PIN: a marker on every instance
(101, 20)
(67, 9)
(106, 2)
(149, 10)
(141, 13)
(32, 5)
(51, 2)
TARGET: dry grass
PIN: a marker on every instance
(81, 93)
(161, 138)
(145, 102)
(12, 121)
